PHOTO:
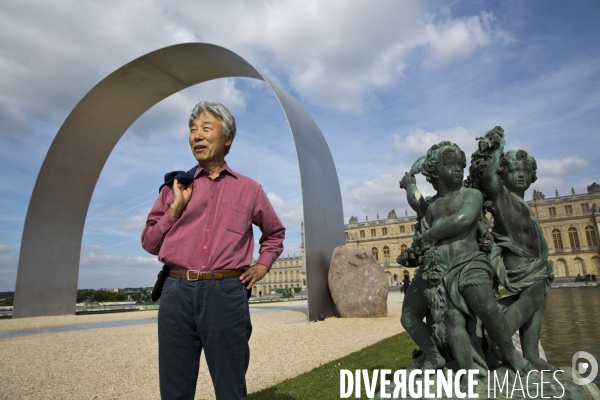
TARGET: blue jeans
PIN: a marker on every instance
(212, 315)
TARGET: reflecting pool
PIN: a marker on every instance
(571, 324)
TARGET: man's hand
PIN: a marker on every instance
(182, 195)
(407, 180)
(253, 274)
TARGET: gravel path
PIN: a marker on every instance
(121, 362)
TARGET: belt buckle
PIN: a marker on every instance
(199, 274)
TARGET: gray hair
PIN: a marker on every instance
(223, 114)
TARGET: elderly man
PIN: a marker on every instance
(203, 232)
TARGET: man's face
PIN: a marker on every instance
(207, 140)
(451, 171)
(517, 176)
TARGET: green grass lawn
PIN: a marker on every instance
(323, 382)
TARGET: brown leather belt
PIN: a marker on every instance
(193, 275)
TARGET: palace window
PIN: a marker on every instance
(403, 247)
(384, 231)
(373, 232)
(596, 265)
(569, 210)
(561, 268)
(579, 269)
(585, 207)
(386, 254)
(557, 237)
(362, 234)
(552, 211)
(375, 253)
(402, 229)
(412, 227)
(574, 238)
(347, 237)
(590, 234)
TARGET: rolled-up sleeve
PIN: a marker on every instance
(158, 223)
(273, 231)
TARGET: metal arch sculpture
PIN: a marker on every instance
(51, 245)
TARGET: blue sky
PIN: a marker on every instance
(383, 79)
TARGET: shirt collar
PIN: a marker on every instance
(202, 171)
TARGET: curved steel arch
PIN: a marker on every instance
(50, 249)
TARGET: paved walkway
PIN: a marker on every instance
(77, 327)
(113, 324)
(114, 356)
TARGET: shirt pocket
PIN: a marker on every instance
(236, 218)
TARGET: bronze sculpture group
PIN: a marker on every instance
(478, 282)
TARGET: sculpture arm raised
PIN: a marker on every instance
(491, 182)
(415, 198)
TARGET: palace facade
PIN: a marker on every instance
(570, 225)
(286, 273)
(386, 238)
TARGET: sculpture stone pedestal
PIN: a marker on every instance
(551, 389)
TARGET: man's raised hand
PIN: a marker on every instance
(182, 195)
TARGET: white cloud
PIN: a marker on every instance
(98, 268)
(290, 214)
(169, 117)
(123, 218)
(339, 52)
(333, 53)
(581, 185)
(53, 53)
(559, 174)
(135, 223)
(381, 194)
(377, 196)
(418, 141)
(561, 167)
(453, 39)
(4, 249)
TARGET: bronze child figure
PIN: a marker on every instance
(455, 277)
(520, 256)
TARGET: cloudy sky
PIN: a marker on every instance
(384, 80)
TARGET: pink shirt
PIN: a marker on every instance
(215, 229)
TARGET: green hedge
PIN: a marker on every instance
(100, 296)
